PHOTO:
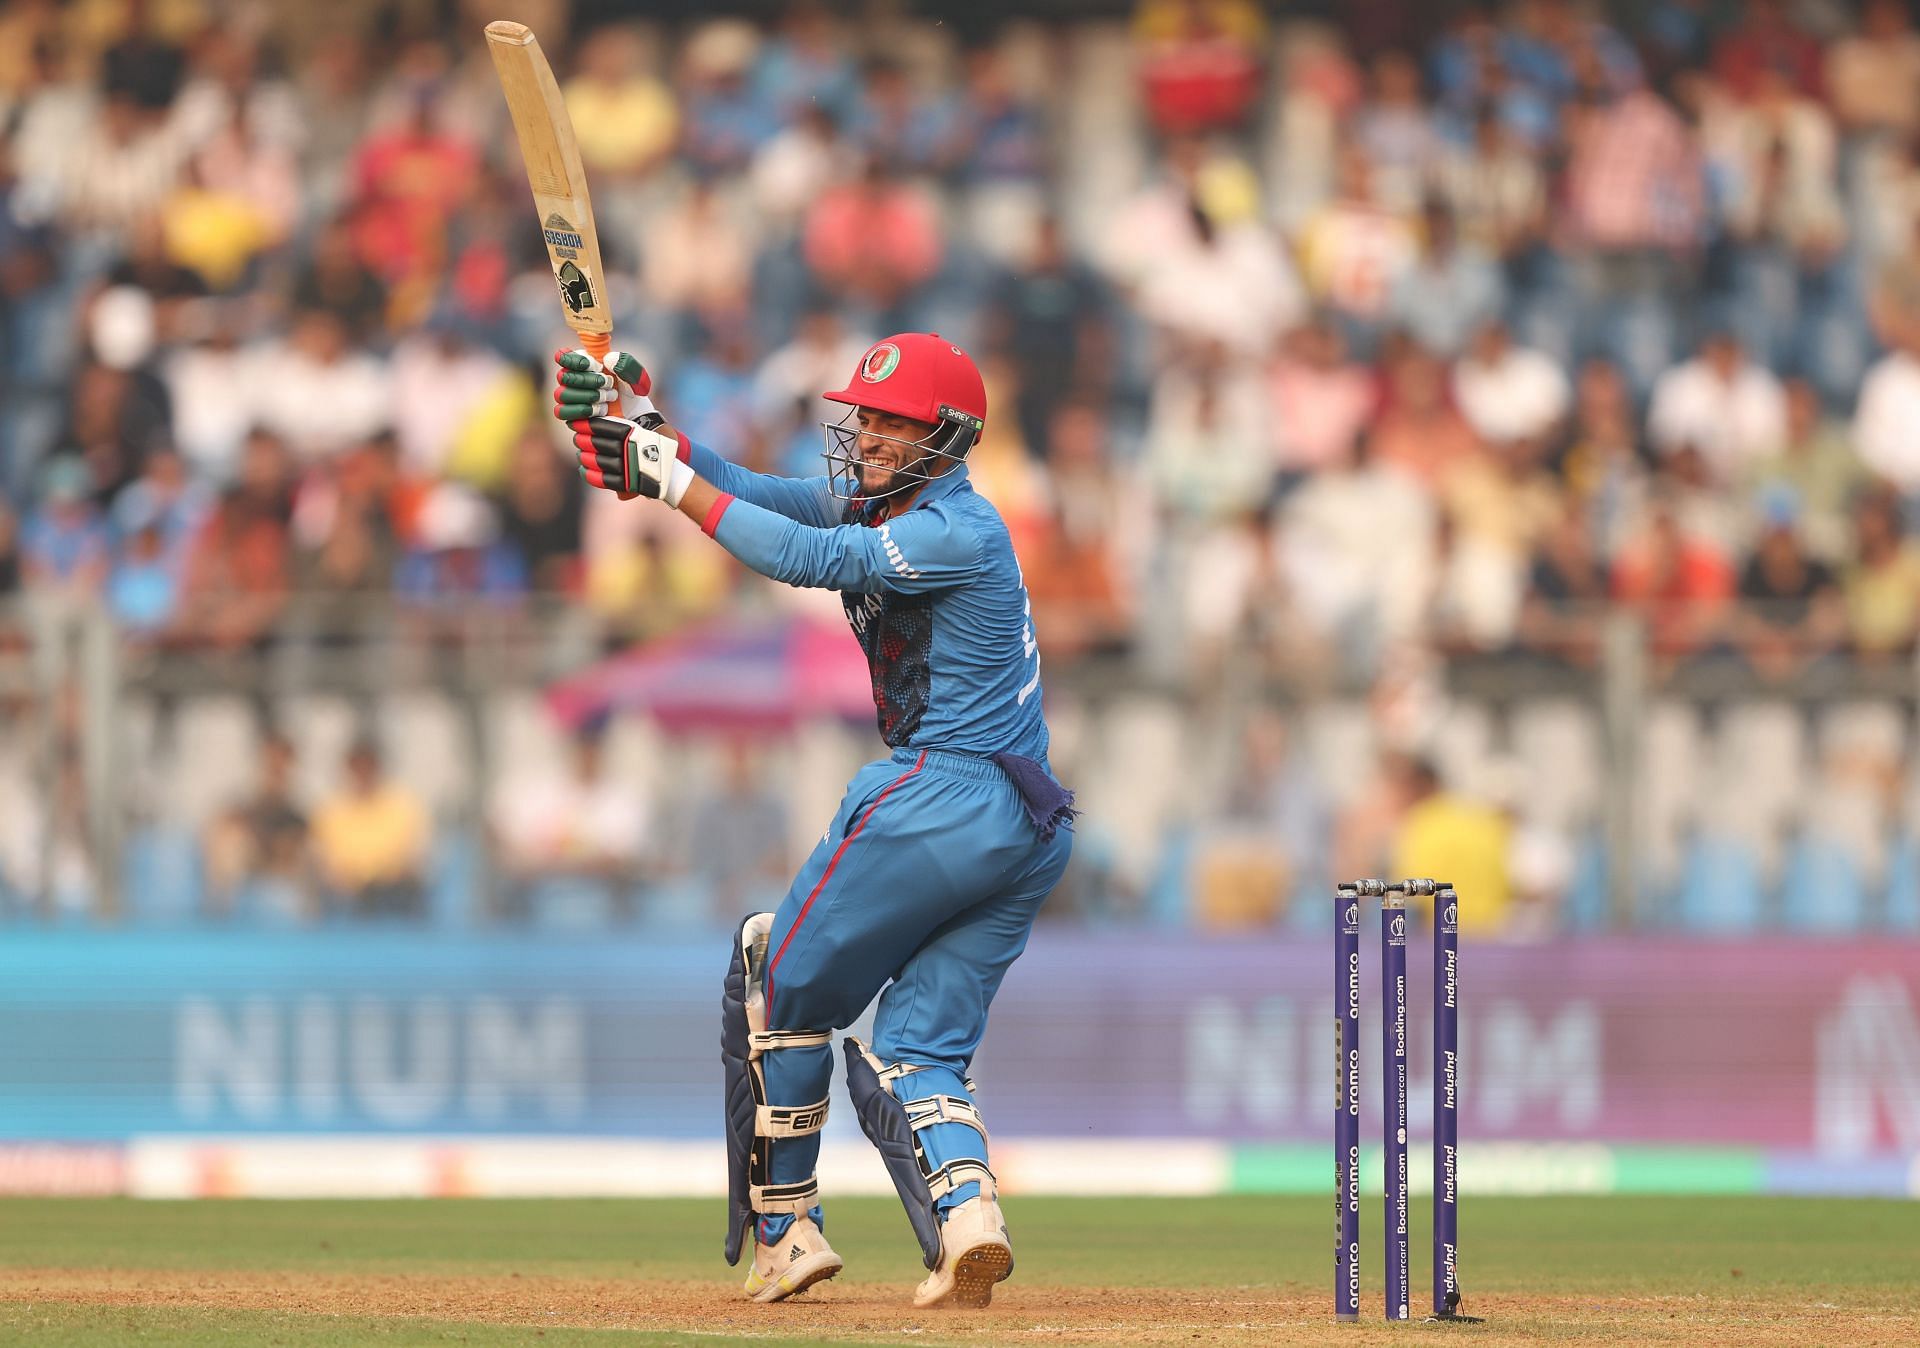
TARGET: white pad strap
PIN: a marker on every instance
(790, 1120)
(956, 1173)
(795, 1198)
(768, 1041)
(944, 1109)
(888, 1075)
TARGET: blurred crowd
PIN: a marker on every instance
(569, 845)
(1438, 325)
(1311, 337)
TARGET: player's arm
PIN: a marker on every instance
(922, 550)
(585, 388)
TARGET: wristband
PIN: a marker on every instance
(679, 477)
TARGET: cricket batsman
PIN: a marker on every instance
(928, 880)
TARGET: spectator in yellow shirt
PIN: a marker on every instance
(370, 841)
(1881, 587)
(626, 120)
(1449, 837)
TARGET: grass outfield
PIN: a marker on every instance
(1583, 1270)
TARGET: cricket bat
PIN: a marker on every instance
(559, 183)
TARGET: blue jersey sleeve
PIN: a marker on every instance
(806, 499)
(923, 550)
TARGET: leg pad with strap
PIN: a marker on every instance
(751, 1121)
(891, 1125)
(795, 1198)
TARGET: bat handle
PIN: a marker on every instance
(597, 344)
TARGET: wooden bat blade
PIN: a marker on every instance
(555, 174)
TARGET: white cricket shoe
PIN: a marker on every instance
(974, 1255)
(792, 1264)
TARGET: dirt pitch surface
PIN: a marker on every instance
(1229, 1271)
(867, 1313)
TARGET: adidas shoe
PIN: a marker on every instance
(792, 1264)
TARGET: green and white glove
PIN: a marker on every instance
(585, 387)
(632, 458)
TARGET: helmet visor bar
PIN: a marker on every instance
(845, 459)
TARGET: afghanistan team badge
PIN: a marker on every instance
(882, 361)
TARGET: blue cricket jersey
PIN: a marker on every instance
(934, 596)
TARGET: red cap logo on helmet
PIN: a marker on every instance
(882, 361)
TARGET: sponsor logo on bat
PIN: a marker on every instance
(560, 233)
(576, 291)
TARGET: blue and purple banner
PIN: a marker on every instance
(1794, 1047)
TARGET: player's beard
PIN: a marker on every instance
(881, 475)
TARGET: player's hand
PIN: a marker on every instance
(632, 458)
(585, 387)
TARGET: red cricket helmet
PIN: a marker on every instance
(920, 375)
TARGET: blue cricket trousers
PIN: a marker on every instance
(931, 876)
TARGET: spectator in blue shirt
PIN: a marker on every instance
(143, 590)
(1453, 290)
(806, 66)
(165, 498)
(714, 391)
(1006, 138)
(726, 117)
(903, 128)
(1049, 319)
(460, 554)
(65, 543)
(31, 312)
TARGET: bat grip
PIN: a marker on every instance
(597, 344)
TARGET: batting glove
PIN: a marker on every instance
(585, 387)
(632, 458)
